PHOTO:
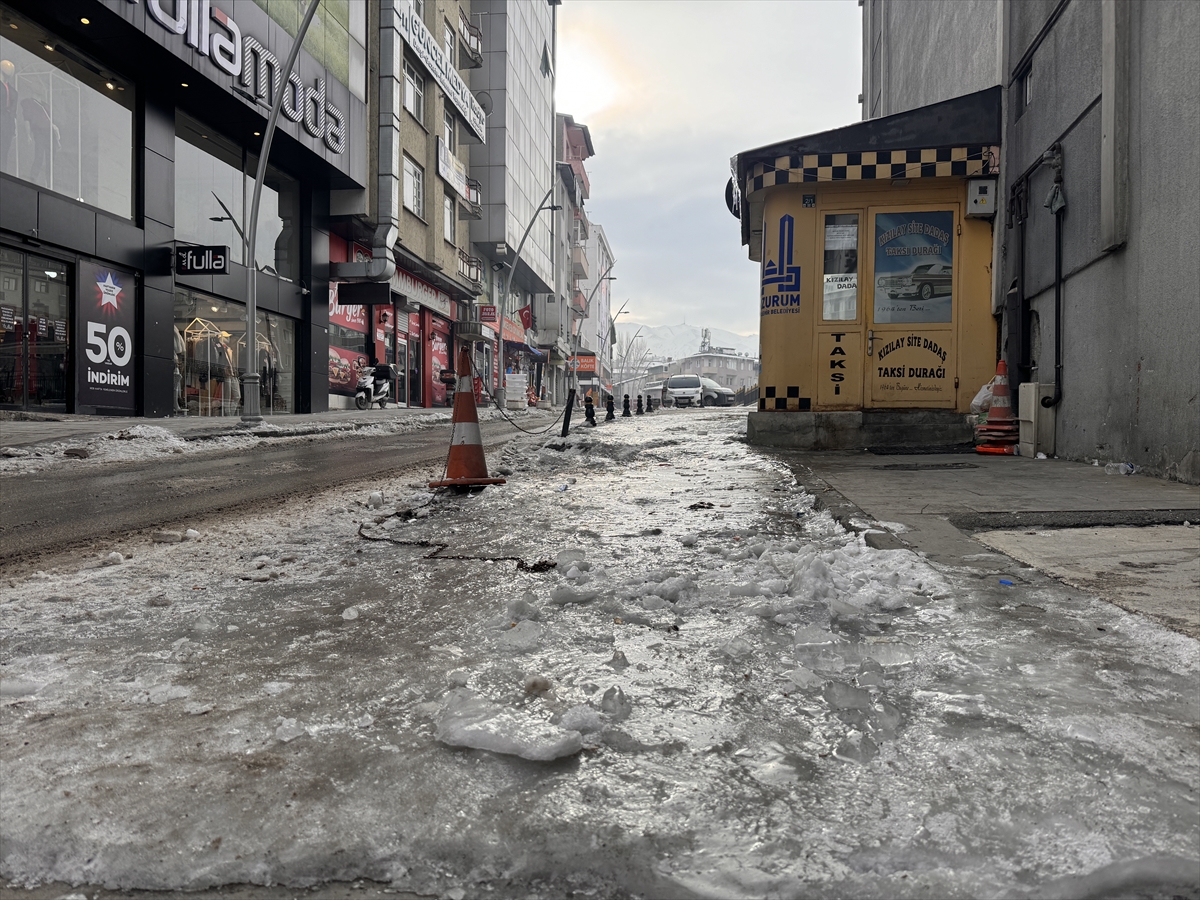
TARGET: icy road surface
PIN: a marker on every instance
(715, 691)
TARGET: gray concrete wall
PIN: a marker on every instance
(931, 51)
(1131, 317)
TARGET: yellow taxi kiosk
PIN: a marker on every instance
(875, 250)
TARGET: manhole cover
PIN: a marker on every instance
(920, 467)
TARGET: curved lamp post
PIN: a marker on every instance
(574, 389)
(251, 411)
(501, 392)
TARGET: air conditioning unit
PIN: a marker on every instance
(1036, 421)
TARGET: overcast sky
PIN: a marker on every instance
(670, 91)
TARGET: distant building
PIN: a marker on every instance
(727, 369)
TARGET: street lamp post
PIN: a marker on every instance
(501, 392)
(251, 411)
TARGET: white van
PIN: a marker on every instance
(682, 390)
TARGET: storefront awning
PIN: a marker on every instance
(517, 347)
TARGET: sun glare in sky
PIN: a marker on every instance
(585, 84)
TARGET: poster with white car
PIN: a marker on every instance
(914, 275)
(105, 356)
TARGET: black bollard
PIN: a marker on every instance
(610, 409)
(589, 411)
(639, 409)
(567, 412)
(625, 413)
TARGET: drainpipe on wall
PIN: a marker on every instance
(1056, 202)
(382, 265)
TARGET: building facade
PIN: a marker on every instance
(516, 173)
(1099, 116)
(128, 134)
(732, 370)
(595, 335)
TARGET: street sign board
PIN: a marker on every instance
(487, 313)
(195, 260)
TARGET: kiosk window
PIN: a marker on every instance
(841, 268)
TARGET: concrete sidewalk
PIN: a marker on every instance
(1122, 538)
(26, 430)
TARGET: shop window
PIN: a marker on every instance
(35, 331)
(414, 92)
(414, 187)
(841, 268)
(211, 356)
(214, 184)
(66, 122)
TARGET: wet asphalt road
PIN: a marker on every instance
(60, 509)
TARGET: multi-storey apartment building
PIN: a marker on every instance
(515, 170)
(560, 310)
(593, 262)
(725, 367)
(418, 221)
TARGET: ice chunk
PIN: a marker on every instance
(616, 704)
(564, 595)
(113, 559)
(276, 687)
(652, 602)
(289, 730)
(889, 654)
(375, 500)
(582, 718)
(619, 661)
(366, 720)
(689, 540)
(204, 624)
(523, 608)
(467, 720)
(350, 613)
(736, 647)
(191, 534)
(811, 635)
(805, 678)
(166, 537)
(886, 720)
(844, 696)
(521, 638)
(856, 747)
(197, 709)
(572, 555)
(750, 589)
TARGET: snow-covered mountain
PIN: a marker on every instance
(677, 341)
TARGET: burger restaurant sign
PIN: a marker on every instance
(213, 33)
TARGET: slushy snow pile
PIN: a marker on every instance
(698, 684)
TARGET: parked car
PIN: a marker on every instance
(713, 394)
(926, 280)
(681, 390)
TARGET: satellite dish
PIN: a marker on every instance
(485, 102)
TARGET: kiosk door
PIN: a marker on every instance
(912, 300)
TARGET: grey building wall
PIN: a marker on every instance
(918, 52)
(1131, 314)
(1130, 303)
(516, 165)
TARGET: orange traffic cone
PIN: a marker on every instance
(1001, 432)
(465, 467)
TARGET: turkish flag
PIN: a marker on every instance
(526, 314)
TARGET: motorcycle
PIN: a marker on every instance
(374, 386)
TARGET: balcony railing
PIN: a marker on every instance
(472, 41)
(471, 268)
(471, 206)
(579, 262)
